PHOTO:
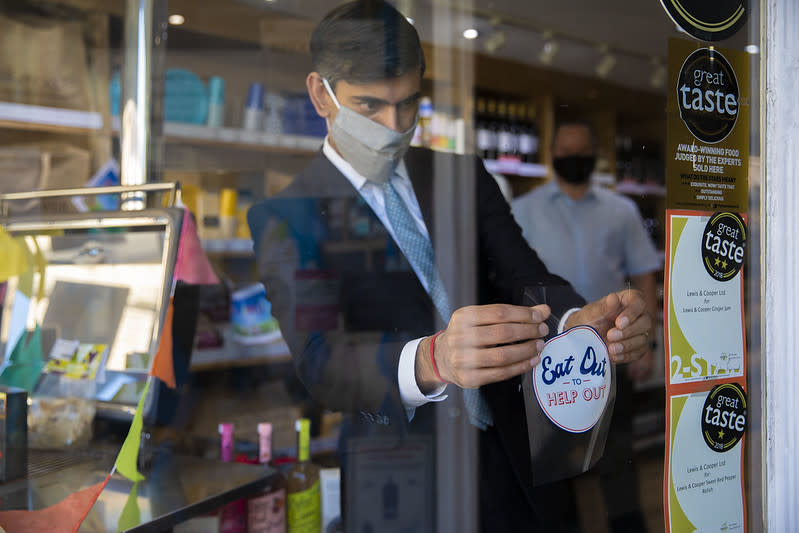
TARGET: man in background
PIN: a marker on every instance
(595, 238)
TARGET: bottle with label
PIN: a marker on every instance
(528, 136)
(492, 127)
(504, 135)
(232, 517)
(266, 512)
(425, 121)
(304, 510)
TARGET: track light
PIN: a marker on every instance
(606, 62)
(550, 48)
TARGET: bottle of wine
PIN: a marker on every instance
(528, 138)
(232, 517)
(304, 499)
(266, 512)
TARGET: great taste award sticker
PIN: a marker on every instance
(724, 245)
(572, 381)
(724, 417)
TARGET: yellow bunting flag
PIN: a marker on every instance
(129, 454)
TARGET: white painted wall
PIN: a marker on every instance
(780, 259)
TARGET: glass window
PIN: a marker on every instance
(403, 201)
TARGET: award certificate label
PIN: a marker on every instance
(572, 381)
(704, 325)
(705, 486)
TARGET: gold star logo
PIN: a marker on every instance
(717, 262)
(724, 265)
(721, 434)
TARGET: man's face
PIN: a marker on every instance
(572, 139)
(391, 102)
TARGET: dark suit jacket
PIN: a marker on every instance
(367, 303)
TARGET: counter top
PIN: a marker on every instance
(177, 488)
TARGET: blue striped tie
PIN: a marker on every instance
(419, 251)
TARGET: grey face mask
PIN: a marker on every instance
(371, 148)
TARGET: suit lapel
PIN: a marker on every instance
(419, 164)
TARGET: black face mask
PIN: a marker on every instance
(575, 169)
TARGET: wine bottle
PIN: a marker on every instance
(232, 517)
(304, 499)
(266, 512)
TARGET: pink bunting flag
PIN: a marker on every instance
(192, 264)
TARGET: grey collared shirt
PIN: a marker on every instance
(595, 243)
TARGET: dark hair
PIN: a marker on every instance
(574, 122)
(365, 41)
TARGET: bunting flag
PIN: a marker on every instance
(163, 368)
(14, 256)
(64, 517)
(192, 265)
(25, 363)
(129, 454)
(130, 516)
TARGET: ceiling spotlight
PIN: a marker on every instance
(752, 49)
(549, 49)
(658, 77)
(470, 33)
(176, 20)
(606, 62)
(494, 42)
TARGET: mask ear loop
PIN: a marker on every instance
(330, 92)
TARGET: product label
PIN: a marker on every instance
(704, 328)
(304, 513)
(704, 485)
(572, 381)
(267, 513)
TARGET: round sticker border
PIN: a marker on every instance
(702, 29)
(713, 444)
(604, 400)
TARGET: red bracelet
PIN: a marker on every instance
(433, 357)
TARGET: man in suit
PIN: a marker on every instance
(349, 260)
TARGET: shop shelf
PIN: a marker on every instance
(177, 132)
(50, 119)
(516, 168)
(229, 247)
(233, 354)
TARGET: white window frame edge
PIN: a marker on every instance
(779, 283)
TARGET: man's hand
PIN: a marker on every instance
(484, 344)
(622, 320)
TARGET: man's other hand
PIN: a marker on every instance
(622, 320)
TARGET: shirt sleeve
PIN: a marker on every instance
(640, 254)
(412, 397)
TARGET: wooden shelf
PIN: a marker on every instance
(228, 247)
(176, 132)
(48, 119)
(640, 189)
(516, 168)
(234, 354)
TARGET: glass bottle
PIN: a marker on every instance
(266, 512)
(304, 512)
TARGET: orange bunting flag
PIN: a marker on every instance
(163, 367)
(64, 517)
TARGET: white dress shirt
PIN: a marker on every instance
(410, 393)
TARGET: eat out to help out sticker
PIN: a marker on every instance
(572, 381)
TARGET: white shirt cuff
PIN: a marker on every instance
(410, 393)
(566, 315)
